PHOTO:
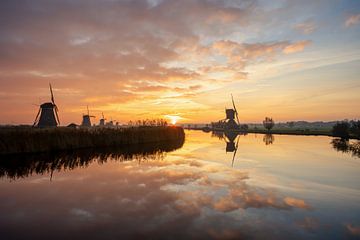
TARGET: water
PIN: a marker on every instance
(276, 187)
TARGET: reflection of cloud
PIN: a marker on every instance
(352, 20)
(353, 230)
(81, 213)
(298, 203)
(155, 198)
(308, 223)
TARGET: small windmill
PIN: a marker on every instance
(47, 115)
(102, 120)
(86, 119)
(110, 123)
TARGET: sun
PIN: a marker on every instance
(173, 119)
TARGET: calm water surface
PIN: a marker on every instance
(264, 187)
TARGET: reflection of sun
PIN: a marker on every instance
(173, 119)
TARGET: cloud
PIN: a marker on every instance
(306, 27)
(240, 55)
(296, 47)
(352, 20)
(122, 52)
(298, 203)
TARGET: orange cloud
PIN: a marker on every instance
(294, 202)
(352, 20)
(296, 47)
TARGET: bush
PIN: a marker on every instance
(341, 129)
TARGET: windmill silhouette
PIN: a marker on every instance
(86, 119)
(47, 115)
(102, 120)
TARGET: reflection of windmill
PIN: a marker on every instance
(48, 113)
(86, 119)
(102, 120)
(230, 144)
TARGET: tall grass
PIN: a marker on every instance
(28, 140)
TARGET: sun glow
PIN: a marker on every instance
(173, 119)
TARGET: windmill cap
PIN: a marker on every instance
(47, 105)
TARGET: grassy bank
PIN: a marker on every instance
(321, 132)
(306, 132)
(287, 131)
(32, 140)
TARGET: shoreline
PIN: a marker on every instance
(298, 132)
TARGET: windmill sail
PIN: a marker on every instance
(52, 95)
(37, 117)
(56, 114)
(236, 112)
(236, 148)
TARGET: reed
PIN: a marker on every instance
(31, 140)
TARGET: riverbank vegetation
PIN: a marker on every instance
(29, 140)
(24, 165)
(343, 129)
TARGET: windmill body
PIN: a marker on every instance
(102, 120)
(230, 119)
(48, 114)
(86, 122)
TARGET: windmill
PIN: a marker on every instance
(102, 120)
(47, 115)
(86, 119)
(230, 117)
(110, 123)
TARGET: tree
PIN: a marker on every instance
(341, 129)
(268, 123)
(244, 127)
(355, 127)
(291, 124)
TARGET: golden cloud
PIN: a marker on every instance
(352, 20)
(296, 47)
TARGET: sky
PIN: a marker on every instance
(145, 59)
